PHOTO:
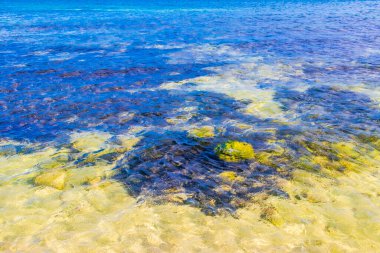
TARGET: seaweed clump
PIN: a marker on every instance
(235, 151)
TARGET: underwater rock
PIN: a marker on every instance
(202, 132)
(89, 142)
(88, 175)
(109, 151)
(82, 176)
(55, 179)
(235, 151)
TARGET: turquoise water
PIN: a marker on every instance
(148, 93)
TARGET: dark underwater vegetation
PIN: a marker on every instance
(255, 125)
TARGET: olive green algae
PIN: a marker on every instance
(235, 151)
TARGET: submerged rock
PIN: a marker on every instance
(55, 179)
(235, 151)
(107, 151)
(88, 175)
(89, 142)
(202, 132)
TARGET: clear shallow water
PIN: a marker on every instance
(100, 107)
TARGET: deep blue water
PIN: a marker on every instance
(76, 65)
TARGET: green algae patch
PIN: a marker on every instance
(235, 151)
(230, 177)
(327, 157)
(346, 149)
(202, 132)
(306, 163)
(326, 165)
(370, 139)
(55, 179)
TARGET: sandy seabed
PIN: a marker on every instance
(91, 212)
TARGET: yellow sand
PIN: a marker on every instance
(334, 212)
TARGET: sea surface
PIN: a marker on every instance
(114, 116)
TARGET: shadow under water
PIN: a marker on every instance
(173, 166)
